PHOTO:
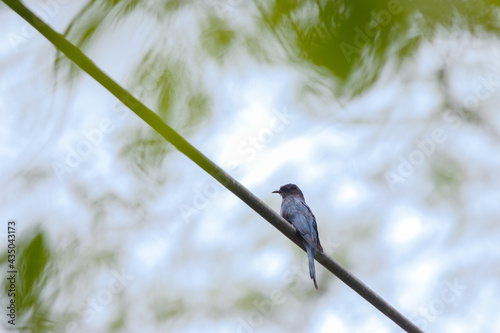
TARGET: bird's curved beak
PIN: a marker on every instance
(277, 191)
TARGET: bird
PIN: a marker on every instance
(295, 210)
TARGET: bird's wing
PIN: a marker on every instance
(303, 220)
(315, 226)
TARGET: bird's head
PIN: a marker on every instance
(289, 189)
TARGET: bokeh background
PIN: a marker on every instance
(385, 113)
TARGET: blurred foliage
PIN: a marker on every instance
(146, 151)
(248, 301)
(353, 40)
(349, 42)
(217, 37)
(448, 176)
(165, 310)
(33, 265)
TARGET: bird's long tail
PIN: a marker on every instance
(310, 256)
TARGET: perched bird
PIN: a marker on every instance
(295, 210)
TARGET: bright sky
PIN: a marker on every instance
(405, 241)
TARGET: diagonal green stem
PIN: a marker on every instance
(153, 120)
